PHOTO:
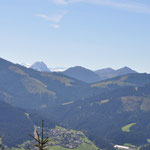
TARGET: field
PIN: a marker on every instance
(127, 127)
(81, 147)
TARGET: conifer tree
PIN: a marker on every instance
(41, 141)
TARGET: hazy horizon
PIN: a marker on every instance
(53, 68)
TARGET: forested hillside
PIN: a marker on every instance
(119, 116)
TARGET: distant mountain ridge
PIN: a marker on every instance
(108, 73)
(89, 76)
(40, 66)
(82, 74)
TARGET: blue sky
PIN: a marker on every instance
(91, 33)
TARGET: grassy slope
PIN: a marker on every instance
(127, 127)
(125, 80)
(81, 147)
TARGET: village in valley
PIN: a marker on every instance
(65, 138)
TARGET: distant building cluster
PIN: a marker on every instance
(61, 137)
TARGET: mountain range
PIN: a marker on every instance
(90, 76)
(108, 73)
(112, 111)
(84, 74)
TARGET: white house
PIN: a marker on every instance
(120, 147)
